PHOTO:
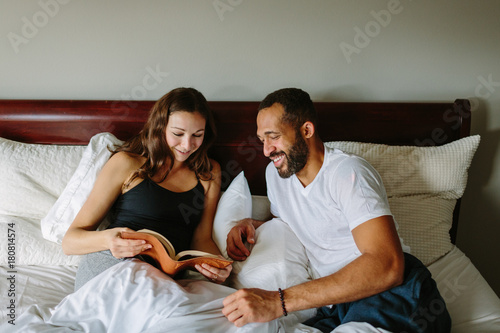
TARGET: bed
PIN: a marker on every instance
(51, 151)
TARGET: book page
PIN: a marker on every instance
(195, 253)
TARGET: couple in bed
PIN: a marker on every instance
(334, 202)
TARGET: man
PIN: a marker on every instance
(337, 206)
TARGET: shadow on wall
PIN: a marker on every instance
(479, 223)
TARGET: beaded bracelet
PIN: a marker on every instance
(282, 299)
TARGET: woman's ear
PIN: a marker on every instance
(308, 130)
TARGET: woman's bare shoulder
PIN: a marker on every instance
(128, 158)
(212, 183)
(125, 161)
(215, 167)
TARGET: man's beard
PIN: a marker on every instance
(296, 158)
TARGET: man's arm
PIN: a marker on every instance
(380, 267)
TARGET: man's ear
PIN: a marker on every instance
(308, 130)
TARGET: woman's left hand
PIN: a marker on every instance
(214, 274)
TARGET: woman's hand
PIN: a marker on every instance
(214, 274)
(124, 248)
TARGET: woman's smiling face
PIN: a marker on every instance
(185, 133)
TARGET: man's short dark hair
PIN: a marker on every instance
(297, 103)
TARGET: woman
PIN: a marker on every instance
(161, 179)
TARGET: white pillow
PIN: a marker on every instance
(63, 212)
(30, 247)
(411, 170)
(235, 204)
(422, 184)
(261, 208)
(34, 176)
(424, 224)
(277, 260)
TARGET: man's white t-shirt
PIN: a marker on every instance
(346, 192)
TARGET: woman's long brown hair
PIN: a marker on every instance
(151, 141)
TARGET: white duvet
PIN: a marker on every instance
(133, 296)
(136, 297)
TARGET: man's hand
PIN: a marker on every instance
(236, 248)
(252, 306)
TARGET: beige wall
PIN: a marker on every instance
(243, 49)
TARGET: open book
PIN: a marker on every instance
(163, 252)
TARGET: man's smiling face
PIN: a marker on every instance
(283, 144)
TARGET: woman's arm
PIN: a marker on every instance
(82, 237)
(202, 237)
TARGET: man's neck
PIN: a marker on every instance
(313, 165)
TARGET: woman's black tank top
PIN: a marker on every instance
(151, 206)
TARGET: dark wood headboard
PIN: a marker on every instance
(237, 148)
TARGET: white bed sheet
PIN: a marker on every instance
(42, 285)
(472, 303)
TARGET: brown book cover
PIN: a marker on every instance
(163, 252)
